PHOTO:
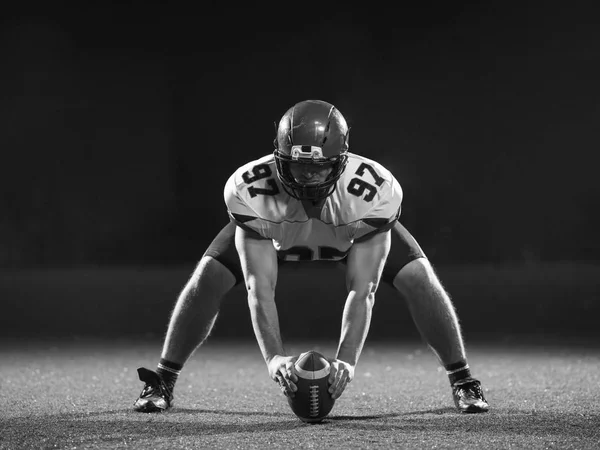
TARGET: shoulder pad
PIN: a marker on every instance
(367, 191)
(254, 196)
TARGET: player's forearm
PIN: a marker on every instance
(265, 323)
(356, 321)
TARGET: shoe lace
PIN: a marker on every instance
(471, 389)
(151, 389)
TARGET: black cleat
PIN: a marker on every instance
(156, 396)
(468, 396)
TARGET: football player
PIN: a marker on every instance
(312, 200)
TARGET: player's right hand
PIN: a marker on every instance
(282, 371)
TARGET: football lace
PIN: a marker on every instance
(314, 400)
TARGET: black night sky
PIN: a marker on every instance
(120, 124)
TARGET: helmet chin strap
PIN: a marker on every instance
(300, 193)
(308, 183)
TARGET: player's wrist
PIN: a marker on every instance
(274, 358)
(349, 359)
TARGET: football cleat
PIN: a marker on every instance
(156, 395)
(468, 396)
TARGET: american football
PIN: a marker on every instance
(312, 402)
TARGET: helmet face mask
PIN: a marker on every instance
(314, 134)
(309, 189)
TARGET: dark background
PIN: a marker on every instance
(119, 124)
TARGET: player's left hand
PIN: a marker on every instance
(341, 373)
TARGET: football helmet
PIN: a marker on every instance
(311, 132)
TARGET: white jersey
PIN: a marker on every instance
(366, 200)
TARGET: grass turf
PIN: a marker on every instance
(78, 394)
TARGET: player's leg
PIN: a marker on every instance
(196, 309)
(413, 276)
(192, 319)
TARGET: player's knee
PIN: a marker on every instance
(210, 276)
(416, 276)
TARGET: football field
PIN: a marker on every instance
(78, 393)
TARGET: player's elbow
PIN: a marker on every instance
(370, 297)
(363, 289)
(260, 288)
(361, 280)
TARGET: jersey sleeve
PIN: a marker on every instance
(384, 214)
(240, 212)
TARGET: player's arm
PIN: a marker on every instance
(365, 263)
(259, 264)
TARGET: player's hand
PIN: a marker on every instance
(341, 373)
(283, 372)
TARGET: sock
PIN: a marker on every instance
(458, 371)
(169, 371)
